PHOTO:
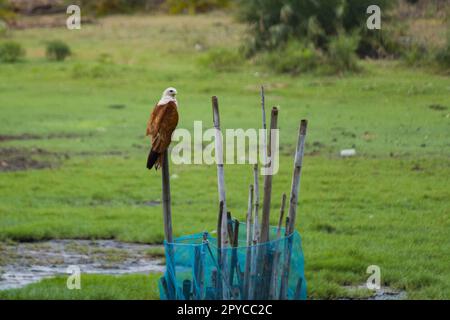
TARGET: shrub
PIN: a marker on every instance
(195, 6)
(388, 42)
(102, 68)
(58, 50)
(104, 7)
(443, 56)
(416, 56)
(342, 52)
(11, 52)
(295, 58)
(274, 22)
(6, 13)
(222, 59)
(3, 29)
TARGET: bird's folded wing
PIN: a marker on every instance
(163, 121)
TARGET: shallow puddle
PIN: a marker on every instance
(384, 293)
(25, 263)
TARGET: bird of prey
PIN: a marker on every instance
(162, 123)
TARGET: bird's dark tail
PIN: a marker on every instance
(152, 158)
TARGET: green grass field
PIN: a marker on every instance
(388, 206)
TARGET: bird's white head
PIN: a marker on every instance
(168, 96)
(170, 93)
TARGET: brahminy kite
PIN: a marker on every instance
(162, 123)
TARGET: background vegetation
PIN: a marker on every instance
(72, 145)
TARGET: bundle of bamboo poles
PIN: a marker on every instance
(261, 272)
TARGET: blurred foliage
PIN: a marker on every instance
(11, 52)
(195, 6)
(342, 52)
(443, 56)
(57, 50)
(274, 22)
(222, 59)
(299, 57)
(6, 14)
(3, 29)
(103, 7)
(416, 54)
(335, 28)
(295, 58)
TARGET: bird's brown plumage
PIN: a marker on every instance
(162, 123)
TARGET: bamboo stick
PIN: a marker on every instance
(256, 228)
(264, 126)
(167, 218)
(264, 256)
(218, 283)
(219, 225)
(187, 284)
(265, 221)
(295, 189)
(256, 235)
(234, 258)
(249, 244)
(298, 289)
(277, 253)
(296, 178)
(221, 188)
(230, 228)
(197, 284)
(280, 221)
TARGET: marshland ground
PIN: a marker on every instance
(73, 154)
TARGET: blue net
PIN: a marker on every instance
(197, 269)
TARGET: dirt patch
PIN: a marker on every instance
(25, 263)
(54, 20)
(29, 136)
(437, 107)
(152, 203)
(117, 106)
(24, 136)
(325, 227)
(13, 159)
(314, 149)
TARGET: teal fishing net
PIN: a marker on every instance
(196, 269)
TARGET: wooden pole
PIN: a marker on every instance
(249, 239)
(167, 209)
(265, 220)
(167, 218)
(293, 202)
(221, 188)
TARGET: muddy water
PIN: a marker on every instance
(25, 263)
(384, 293)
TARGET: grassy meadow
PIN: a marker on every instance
(85, 119)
